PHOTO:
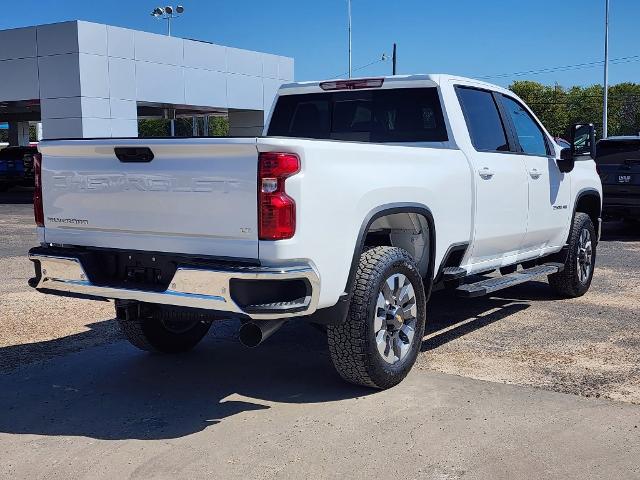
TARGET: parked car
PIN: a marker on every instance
(562, 142)
(16, 167)
(362, 198)
(618, 162)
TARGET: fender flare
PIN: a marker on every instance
(561, 256)
(391, 209)
(337, 314)
(588, 192)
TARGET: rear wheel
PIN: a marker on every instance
(381, 338)
(575, 279)
(157, 329)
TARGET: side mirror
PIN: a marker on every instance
(583, 142)
(567, 162)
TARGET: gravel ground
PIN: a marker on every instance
(524, 336)
(587, 346)
(33, 326)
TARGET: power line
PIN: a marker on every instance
(384, 58)
(563, 68)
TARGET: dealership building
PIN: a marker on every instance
(81, 80)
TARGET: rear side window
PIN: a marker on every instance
(618, 152)
(531, 138)
(379, 116)
(483, 120)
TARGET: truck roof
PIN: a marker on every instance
(395, 81)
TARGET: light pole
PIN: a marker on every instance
(349, 13)
(167, 13)
(605, 106)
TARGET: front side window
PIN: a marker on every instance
(381, 116)
(483, 120)
(531, 138)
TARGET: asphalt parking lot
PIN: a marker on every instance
(500, 390)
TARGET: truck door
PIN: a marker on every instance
(549, 188)
(501, 193)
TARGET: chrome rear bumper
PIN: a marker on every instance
(190, 287)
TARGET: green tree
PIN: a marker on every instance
(153, 127)
(558, 108)
(624, 109)
(219, 126)
(161, 127)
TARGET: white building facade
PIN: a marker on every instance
(84, 80)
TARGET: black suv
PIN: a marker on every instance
(618, 163)
(16, 167)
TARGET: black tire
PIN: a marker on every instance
(352, 345)
(163, 330)
(569, 283)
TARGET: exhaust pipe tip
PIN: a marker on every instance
(253, 334)
(250, 335)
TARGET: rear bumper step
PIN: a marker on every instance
(490, 285)
(204, 288)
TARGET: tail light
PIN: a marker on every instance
(276, 209)
(38, 210)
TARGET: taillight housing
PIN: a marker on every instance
(38, 210)
(276, 209)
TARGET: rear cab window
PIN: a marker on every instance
(400, 115)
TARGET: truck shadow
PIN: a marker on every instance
(115, 392)
(445, 324)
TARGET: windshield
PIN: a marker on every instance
(397, 115)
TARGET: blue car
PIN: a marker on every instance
(16, 167)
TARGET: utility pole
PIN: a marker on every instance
(605, 106)
(349, 12)
(395, 58)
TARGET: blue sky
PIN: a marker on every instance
(466, 37)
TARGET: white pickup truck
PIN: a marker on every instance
(362, 197)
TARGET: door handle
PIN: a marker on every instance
(486, 173)
(535, 173)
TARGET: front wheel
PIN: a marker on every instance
(575, 280)
(381, 338)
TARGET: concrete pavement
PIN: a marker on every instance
(280, 411)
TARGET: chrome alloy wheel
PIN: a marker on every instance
(585, 256)
(395, 318)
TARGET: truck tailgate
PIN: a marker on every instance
(196, 196)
